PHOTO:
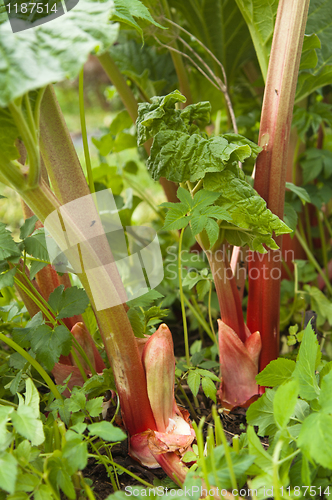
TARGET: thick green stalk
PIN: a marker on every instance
(115, 328)
(270, 179)
(61, 161)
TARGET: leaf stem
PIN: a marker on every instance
(34, 363)
(184, 318)
(199, 318)
(84, 132)
(312, 259)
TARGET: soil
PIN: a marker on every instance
(234, 422)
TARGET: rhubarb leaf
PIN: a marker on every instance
(260, 18)
(68, 302)
(276, 372)
(261, 413)
(53, 51)
(161, 115)
(306, 363)
(247, 210)
(49, 344)
(181, 157)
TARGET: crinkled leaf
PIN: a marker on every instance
(161, 115)
(306, 365)
(68, 302)
(181, 157)
(53, 51)
(315, 439)
(49, 344)
(247, 209)
(105, 430)
(276, 372)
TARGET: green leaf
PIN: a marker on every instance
(260, 413)
(8, 472)
(262, 457)
(198, 223)
(36, 245)
(321, 75)
(315, 162)
(306, 365)
(325, 397)
(8, 135)
(27, 425)
(32, 397)
(95, 406)
(320, 304)
(7, 278)
(75, 451)
(185, 197)
(260, 17)
(49, 344)
(136, 318)
(212, 230)
(202, 287)
(26, 482)
(8, 247)
(209, 388)
(53, 51)
(194, 381)
(107, 431)
(284, 402)
(28, 227)
(44, 492)
(145, 300)
(299, 191)
(181, 157)
(175, 219)
(290, 216)
(247, 209)
(276, 372)
(127, 10)
(315, 439)
(68, 302)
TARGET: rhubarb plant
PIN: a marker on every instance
(222, 209)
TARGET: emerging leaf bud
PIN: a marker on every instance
(159, 364)
(85, 340)
(239, 365)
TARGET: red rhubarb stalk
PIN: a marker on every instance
(270, 178)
